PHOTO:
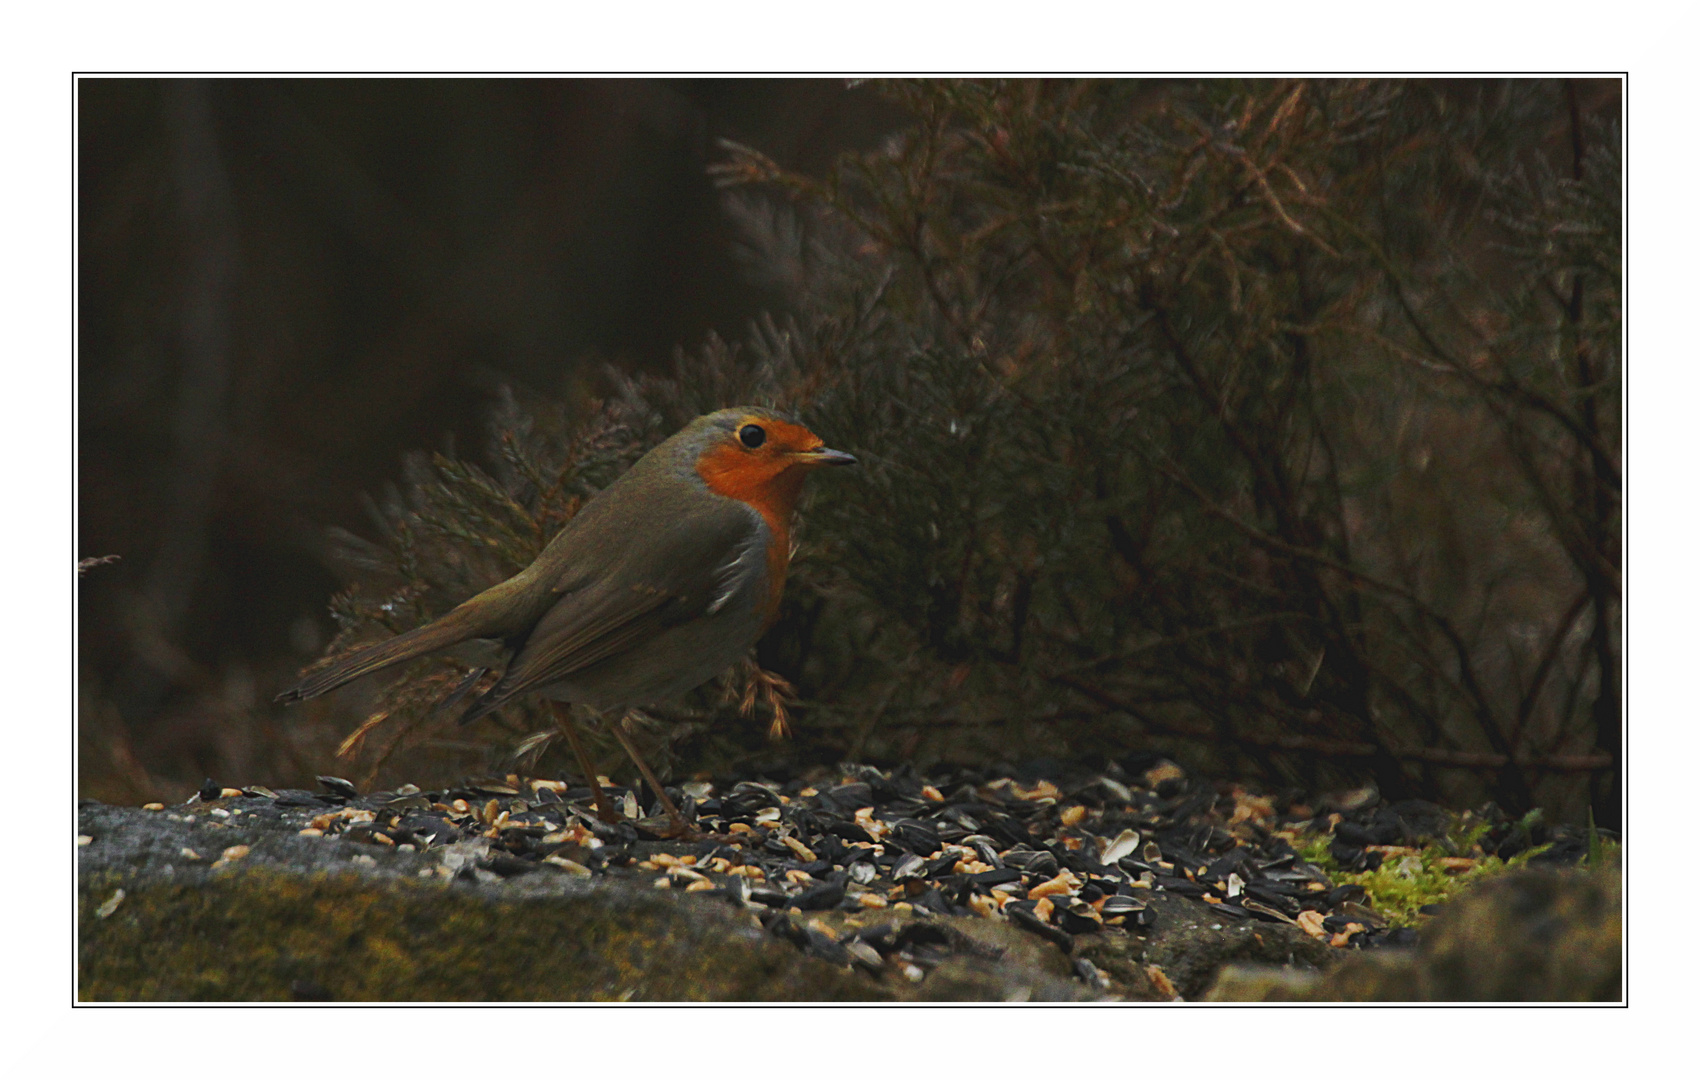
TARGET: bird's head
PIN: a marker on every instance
(759, 457)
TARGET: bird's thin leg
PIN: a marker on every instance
(564, 721)
(681, 827)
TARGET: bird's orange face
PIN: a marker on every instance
(763, 462)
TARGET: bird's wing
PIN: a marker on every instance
(679, 573)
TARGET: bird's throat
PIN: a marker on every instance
(771, 487)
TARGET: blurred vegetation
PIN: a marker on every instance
(285, 285)
(1273, 425)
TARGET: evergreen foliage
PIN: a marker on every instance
(1271, 424)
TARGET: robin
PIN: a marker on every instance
(659, 583)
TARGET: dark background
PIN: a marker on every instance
(284, 285)
(1271, 425)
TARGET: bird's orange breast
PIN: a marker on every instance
(768, 484)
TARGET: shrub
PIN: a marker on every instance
(1271, 424)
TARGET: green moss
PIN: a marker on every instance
(267, 936)
(1403, 884)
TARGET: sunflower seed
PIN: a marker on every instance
(1125, 844)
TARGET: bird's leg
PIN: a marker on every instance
(564, 721)
(682, 829)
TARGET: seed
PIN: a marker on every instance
(1119, 905)
(311, 832)
(871, 900)
(864, 954)
(1083, 914)
(230, 793)
(983, 906)
(190, 853)
(802, 850)
(1125, 844)
(1116, 789)
(154, 806)
(1163, 770)
(1065, 882)
(1160, 982)
(1311, 923)
(662, 882)
(932, 794)
(1073, 816)
(909, 866)
(84, 841)
(111, 904)
(1344, 937)
(1042, 910)
(576, 869)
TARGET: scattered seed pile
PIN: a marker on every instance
(1058, 856)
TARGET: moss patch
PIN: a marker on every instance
(269, 936)
(1435, 872)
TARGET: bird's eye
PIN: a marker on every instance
(751, 436)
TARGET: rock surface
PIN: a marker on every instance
(260, 895)
(300, 918)
(1531, 935)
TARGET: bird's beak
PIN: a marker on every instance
(820, 455)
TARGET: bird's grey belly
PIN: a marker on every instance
(678, 659)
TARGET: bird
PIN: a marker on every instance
(659, 583)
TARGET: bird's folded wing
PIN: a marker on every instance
(675, 582)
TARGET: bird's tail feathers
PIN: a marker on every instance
(429, 638)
